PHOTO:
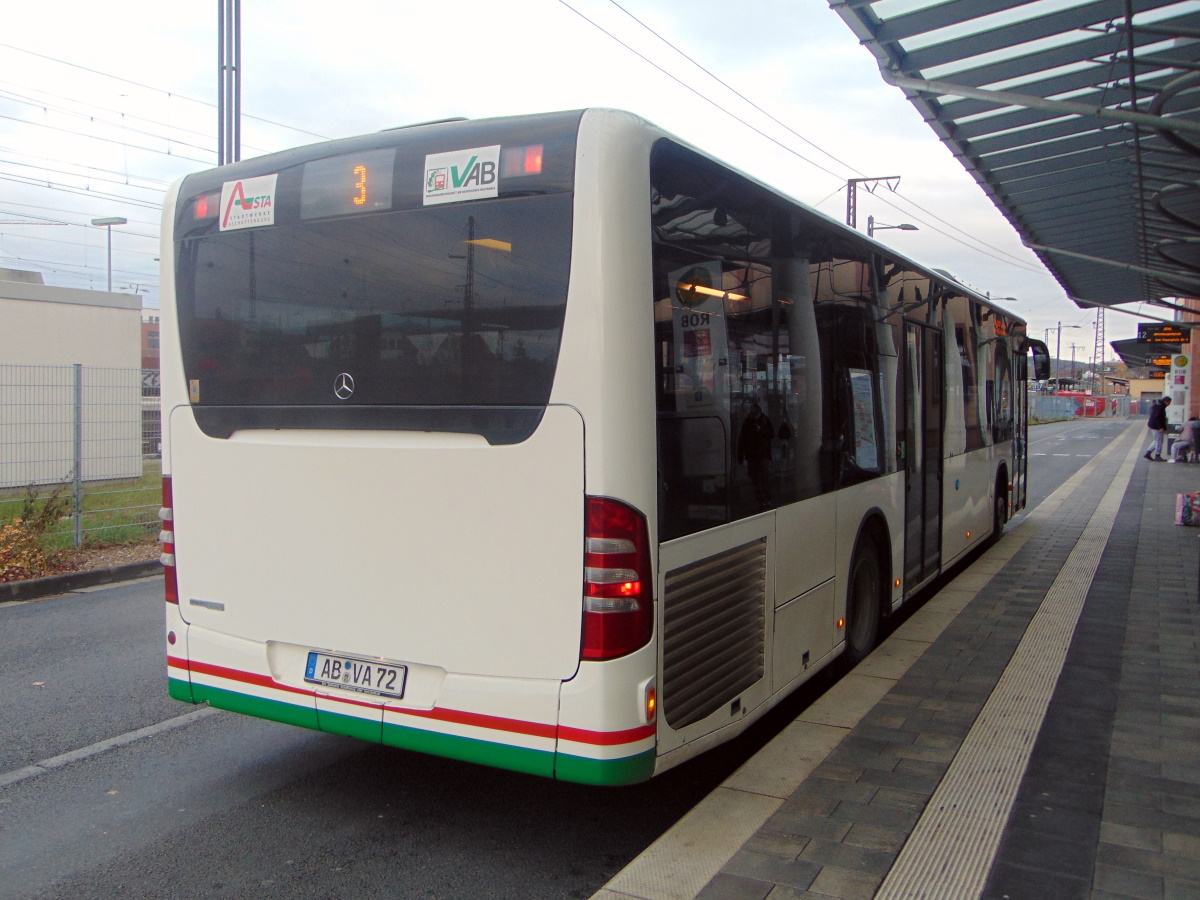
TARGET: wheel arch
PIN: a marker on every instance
(874, 525)
(1001, 502)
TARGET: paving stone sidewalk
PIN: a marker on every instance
(1110, 803)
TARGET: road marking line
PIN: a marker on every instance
(114, 584)
(951, 850)
(57, 762)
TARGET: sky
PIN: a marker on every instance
(103, 105)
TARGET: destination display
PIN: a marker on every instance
(1159, 333)
(352, 183)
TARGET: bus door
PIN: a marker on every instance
(922, 452)
(1020, 465)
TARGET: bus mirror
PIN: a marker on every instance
(1041, 359)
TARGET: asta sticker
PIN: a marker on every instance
(461, 175)
(248, 203)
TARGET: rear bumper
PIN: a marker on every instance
(503, 722)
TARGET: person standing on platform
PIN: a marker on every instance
(1157, 423)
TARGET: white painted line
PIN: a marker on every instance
(115, 584)
(57, 762)
(954, 844)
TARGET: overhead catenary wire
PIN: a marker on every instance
(171, 141)
(56, 209)
(159, 90)
(33, 101)
(698, 93)
(1005, 256)
(50, 240)
(126, 144)
(88, 176)
(42, 183)
(143, 277)
(164, 183)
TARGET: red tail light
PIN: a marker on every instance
(167, 538)
(618, 591)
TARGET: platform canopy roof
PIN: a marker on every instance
(1140, 356)
(1081, 120)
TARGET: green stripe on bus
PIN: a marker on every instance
(288, 713)
(579, 769)
(503, 756)
(351, 726)
(607, 772)
(179, 689)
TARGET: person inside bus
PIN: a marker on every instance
(1157, 423)
(1184, 449)
(754, 449)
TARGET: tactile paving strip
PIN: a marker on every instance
(954, 843)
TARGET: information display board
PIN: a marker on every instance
(1161, 333)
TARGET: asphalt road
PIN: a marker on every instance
(226, 806)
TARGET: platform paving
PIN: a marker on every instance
(1105, 801)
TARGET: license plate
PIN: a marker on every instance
(365, 676)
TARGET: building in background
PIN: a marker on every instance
(70, 383)
(150, 339)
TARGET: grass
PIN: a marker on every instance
(121, 511)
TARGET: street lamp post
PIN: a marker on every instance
(108, 223)
(872, 227)
(1058, 351)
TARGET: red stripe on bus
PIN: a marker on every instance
(237, 675)
(479, 720)
(269, 682)
(606, 738)
(454, 716)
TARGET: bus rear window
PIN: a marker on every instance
(448, 306)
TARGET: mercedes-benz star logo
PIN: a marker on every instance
(343, 386)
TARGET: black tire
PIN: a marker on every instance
(999, 510)
(864, 600)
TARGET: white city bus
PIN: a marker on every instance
(551, 443)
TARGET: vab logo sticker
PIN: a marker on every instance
(462, 175)
(343, 386)
(248, 202)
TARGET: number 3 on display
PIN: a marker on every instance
(361, 184)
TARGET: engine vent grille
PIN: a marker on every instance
(713, 631)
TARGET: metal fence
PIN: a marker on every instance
(1052, 407)
(90, 434)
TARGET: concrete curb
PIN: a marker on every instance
(72, 581)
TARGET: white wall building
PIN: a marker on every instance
(45, 332)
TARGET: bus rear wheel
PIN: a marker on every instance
(864, 601)
(999, 509)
